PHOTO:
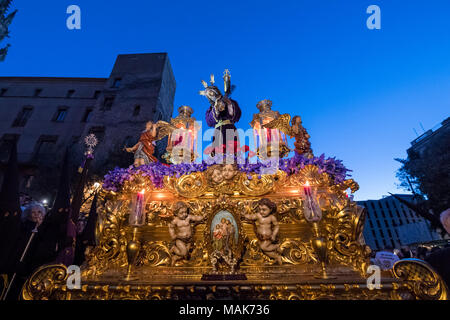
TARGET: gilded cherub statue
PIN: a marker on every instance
(295, 130)
(219, 173)
(267, 228)
(181, 232)
(145, 148)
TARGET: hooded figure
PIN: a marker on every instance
(87, 236)
(53, 232)
(10, 214)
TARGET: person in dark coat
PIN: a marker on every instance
(10, 214)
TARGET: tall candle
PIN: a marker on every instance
(137, 216)
(312, 206)
(307, 189)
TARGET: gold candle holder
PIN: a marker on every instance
(313, 214)
(133, 247)
(319, 244)
(136, 219)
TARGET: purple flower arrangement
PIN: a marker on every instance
(156, 172)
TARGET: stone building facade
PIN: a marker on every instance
(46, 115)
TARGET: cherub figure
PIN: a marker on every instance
(267, 228)
(214, 175)
(180, 230)
(296, 130)
(229, 171)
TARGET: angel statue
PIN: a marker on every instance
(295, 130)
(145, 148)
(222, 114)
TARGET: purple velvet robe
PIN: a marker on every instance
(232, 112)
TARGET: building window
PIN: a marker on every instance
(45, 148)
(99, 132)
(23, 117)
(70, 93)
(3, 91)
(97, 94)
(377, 244)
(390, 233)
(5, 145)
(37, 92)
(107, 103)
(87, 115)
(61, 114)
(373, 233)
(137, 110)
(117, 82)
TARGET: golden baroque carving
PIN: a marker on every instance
(421, 279)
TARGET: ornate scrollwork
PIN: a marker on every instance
(253, 255)
(197, 184)
(154, 254)
(344, 228)
(310, 174)
(421, 279)
(297, 252)
(188, 186)
(112, 242)
(45, 282)
(256, 186)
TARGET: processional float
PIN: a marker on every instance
(218, 229)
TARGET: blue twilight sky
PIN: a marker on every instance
(360, 92)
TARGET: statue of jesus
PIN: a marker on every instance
(222, 114)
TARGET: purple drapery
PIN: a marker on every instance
(224, 115)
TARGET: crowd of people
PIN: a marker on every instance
(386, 258)
(438, 257)
(33, 249)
